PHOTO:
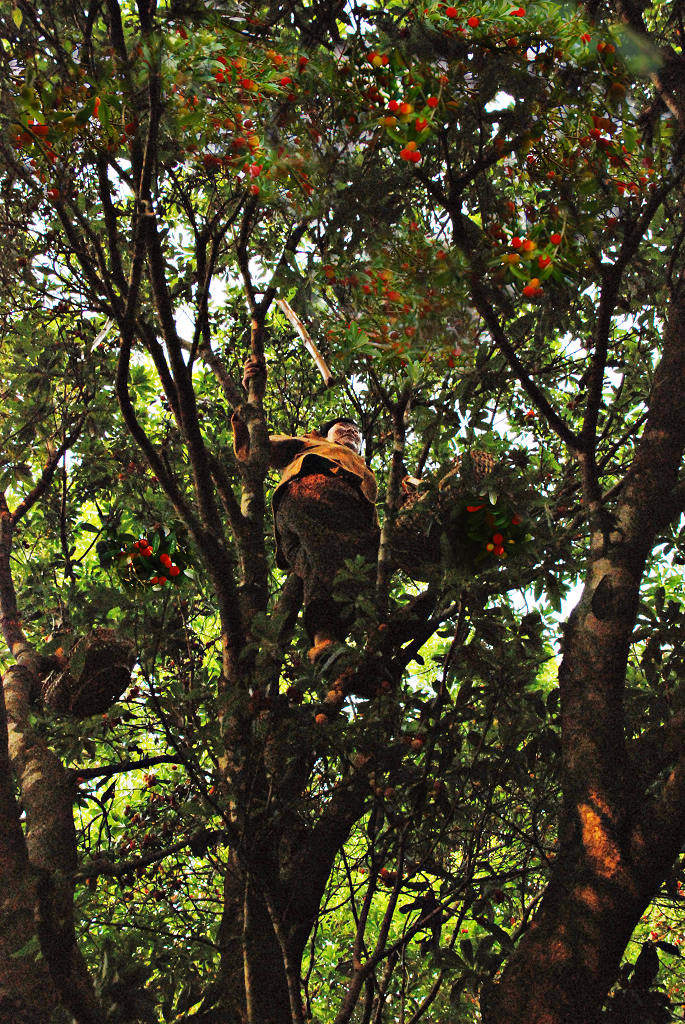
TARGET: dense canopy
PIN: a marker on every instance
(463, 228)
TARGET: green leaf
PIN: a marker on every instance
(30, 948)
(103, 115)
(85, 113)
(17, 17)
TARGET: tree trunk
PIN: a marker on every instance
(618, 839)
(568, 960)
(254, 984)
(27, 995)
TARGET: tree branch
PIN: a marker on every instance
(484, 307)
(47, 474)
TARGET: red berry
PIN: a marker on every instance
(432, 102)
(555, 239)
(543, 261)
(161, 580)
(497, 538)
(516, 242)
(165, 559)
(174, 570)
(451, 12)
(53, 193)
(393, 105)
(473, 22)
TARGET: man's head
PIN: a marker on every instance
(342, 431)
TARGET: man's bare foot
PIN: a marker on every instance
(321, 645)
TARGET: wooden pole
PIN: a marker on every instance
(308, 343)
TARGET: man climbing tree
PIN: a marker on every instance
(478, 213)
(324, 513)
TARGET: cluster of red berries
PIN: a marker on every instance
(143, 548)
(533, 289)
(490, 529)
(526, 246)
(173, 570)
(497, 542)
(410, 153)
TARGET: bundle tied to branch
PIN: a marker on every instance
(96, 673)
(427, 519)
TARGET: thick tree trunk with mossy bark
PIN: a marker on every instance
(623, 818)
(27, 994)
(569, 958)
(253, 984)
(44, 869)
(268, 918)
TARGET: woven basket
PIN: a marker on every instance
(97, 673)
(468, 474)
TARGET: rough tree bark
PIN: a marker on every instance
(44, 863)
(27, 993)
(618, 837)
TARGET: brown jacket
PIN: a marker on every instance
(292, 455)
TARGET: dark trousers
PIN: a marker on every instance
(322, 520)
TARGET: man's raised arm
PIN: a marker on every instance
(283, 447)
